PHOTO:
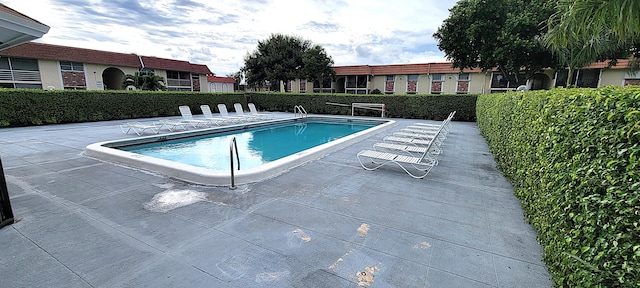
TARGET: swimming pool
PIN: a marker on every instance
(268, 148)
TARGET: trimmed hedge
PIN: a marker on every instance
(573, 159)
(24, 107)
(432, 107)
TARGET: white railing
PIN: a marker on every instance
(233, 146)
(299, 109)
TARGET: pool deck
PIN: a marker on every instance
(328, 223)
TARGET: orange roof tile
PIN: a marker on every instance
(399, 69)
(219, 79)
(65, 53)
(352, 70)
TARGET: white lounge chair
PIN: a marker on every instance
(416, 166)
(187, 117)
(254, 112)
(410, 149)
(206, 112)
(139, 128)
(171, 124)
(447, 122)
(240, 112)
(225, 114)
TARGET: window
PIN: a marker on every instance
(71, 66)
(389, 85)
(324, 87)
(24, 64)
(303, 85)
(436, 83)
(501, 83)
(412, 83)
(462, 87)
(178, 81)
(19, 73)
(632, 78)
(356, 84)
(587, 78)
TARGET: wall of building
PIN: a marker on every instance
(614, 77)
(50, 74)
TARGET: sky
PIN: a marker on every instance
(221, 33)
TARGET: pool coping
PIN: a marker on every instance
(203, 176)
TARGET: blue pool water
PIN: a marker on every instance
(256, 146)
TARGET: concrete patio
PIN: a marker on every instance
(328, 223)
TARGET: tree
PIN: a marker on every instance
(144, 80)
(585, 31)
(318, 66)
(502, 34)
(281, 58)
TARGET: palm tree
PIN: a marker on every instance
(581, 19)
(144, 80)
(586, 31)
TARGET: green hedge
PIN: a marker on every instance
(573, 159)
(24, 107)
(432, 107)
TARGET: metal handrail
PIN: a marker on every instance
(233, 146)
(299, 108)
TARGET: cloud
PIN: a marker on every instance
(220, 33)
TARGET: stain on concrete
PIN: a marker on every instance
(304, 237)
(363, 229)
(366, 277)
(422, 246)
(172, 199)
(333, 266)
(269, 277)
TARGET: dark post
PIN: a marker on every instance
(6, 215)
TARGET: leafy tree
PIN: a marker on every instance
(144, 80)
(318, 66)
(502, 34)
(281, 58)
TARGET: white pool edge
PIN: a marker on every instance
(203, 176)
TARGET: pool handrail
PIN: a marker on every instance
(299, 108)
(233, 146)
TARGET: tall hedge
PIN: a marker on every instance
(24, 107)
(431, 107)
(572, 156)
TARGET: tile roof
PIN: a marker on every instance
(399, 69)
(353, 70)
(65, 53)
(220, 79)
(434, 68)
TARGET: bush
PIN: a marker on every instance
(24, 107)
(431, 107)
(572, 157)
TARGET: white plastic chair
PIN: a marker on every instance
(139, 128)
(206, 112)
(254, 112)
(187, 117)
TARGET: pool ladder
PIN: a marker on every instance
(233, 146)
(299, 109)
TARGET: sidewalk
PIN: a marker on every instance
(328, 223)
